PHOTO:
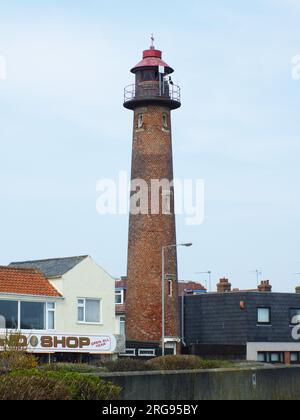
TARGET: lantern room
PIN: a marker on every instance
(153, 83)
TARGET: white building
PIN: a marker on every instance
(64, 307)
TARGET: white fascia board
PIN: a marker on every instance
(39, 297)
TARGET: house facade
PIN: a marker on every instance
(255, 325)
(120, 305)
(63, 306)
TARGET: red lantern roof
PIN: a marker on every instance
(152, 58)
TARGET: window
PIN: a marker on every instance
(165, 121)
(50, 316)
(140, 121)
(295, 358)
(89, 311)
(9, 312)
(17, 315)
(277, 357)
(270, 357)
(264, 316)
(170, 283)
(122, 325)
(119, 297)
(32, 316)
(80, 310)
(166, 202)
(150, 75)
(129, 353)
(295, 316)
(147, 353)
(262, 357)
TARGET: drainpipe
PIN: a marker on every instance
(182, 321)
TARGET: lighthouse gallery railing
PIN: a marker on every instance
(152, 90)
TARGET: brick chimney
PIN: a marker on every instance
(298, 290)
(224, 286)
(265, 286)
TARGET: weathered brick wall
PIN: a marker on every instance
(151, 159)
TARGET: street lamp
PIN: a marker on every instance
(164, 248)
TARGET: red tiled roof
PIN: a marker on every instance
(25, 282)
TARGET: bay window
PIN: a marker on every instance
(9, 312)
(50, 316)
(23, 315)
(32, 316)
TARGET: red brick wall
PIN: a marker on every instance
(151, 159)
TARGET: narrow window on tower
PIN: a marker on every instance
(165, 121)
(140, 121)
(166, 202)
(170, 288)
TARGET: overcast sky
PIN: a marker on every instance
(63, 127)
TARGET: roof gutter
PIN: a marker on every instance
(32, 296)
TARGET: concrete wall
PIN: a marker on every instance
(271, 383)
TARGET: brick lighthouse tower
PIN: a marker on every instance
(152, 98)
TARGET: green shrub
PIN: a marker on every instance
(34, 388)
(70, 367)
(87, 387)
(126, 365)
(181, 362)
(10, 360)
(79, 386)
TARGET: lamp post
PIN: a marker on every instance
(164, 248)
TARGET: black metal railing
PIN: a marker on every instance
(152, 90)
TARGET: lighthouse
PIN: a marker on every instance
(153, 284)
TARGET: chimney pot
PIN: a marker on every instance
(265, 286)
(224, 286)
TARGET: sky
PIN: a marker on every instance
(63, 127)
